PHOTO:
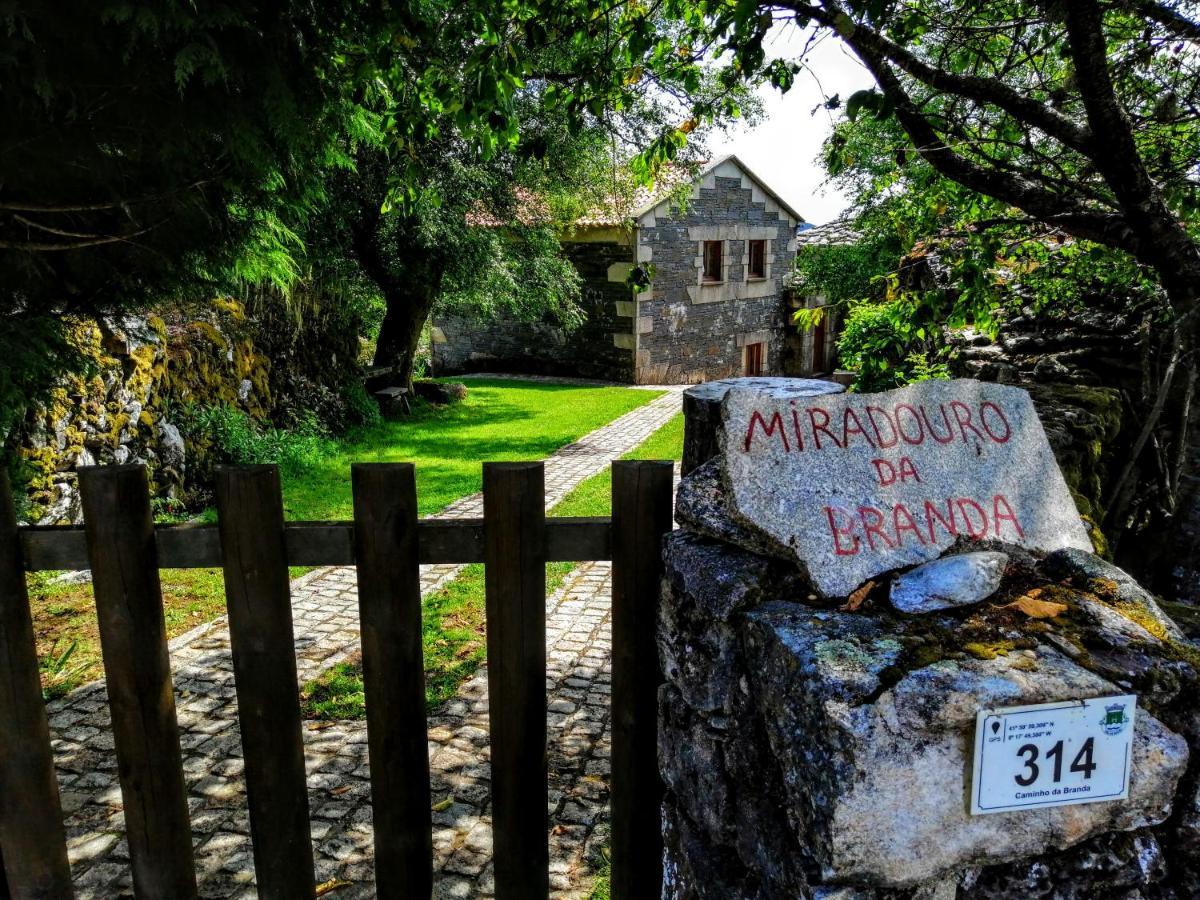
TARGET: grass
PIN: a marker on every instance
(500, 419)
(453, 621)
(602, 885)
(593, 497)
(64, 616)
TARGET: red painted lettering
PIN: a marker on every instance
(1006, 514)
(962, 415)
(874, 526)
(796, 427)
(847, 416)
(908, 470)
(983, 408)
(931, 513)
(908, 438)
(887, 420)
(813, 412)
(907, 525)
(885, 472)
(838, 532)
(972, 530)
(945, 421)
(776, 423)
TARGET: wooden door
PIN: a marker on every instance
(754, 359)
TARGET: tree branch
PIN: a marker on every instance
(1107, 228)
(983, 90)
(1171, 19)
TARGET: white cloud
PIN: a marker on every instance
(783, 148)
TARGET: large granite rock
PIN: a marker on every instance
(817, 725)
(855, 485)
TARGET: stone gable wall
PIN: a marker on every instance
(598, 348)
(689, 332)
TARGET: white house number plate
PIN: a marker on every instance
(1052, 754)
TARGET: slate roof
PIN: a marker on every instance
(617, 211)
(839, 232)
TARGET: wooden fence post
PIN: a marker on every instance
(254, 556)
(34, 859)
(389, 603)
(137, 670)
(641, 504)
(514, 516)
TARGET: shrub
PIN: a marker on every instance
(880, 343)
(232, 437)
(361, 408)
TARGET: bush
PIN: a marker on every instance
(880, 343)
(361, 408)
(232, 437)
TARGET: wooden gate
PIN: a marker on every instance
(125, 550)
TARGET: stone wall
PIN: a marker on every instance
(595, 349)
(817, 753)
(144, 373)
(688, 332)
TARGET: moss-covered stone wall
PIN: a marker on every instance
(142, 375)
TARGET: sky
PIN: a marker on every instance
(783, 148)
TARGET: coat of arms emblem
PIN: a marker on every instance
(1114, 720)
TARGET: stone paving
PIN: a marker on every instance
(325, 613)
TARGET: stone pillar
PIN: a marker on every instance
(821, 747)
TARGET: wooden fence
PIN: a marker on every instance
(125, 550)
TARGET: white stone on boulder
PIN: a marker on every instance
(854, 485)
(951, 581)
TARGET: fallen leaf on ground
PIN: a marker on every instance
(326, 887)
(338, 791)
(443, 805)
(1035, 608)
(855, 600)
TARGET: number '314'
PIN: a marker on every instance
(1081, 763)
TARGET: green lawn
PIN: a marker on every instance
(453, 620)
(501, 420)
(594, 496)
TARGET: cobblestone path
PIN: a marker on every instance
(326, 624)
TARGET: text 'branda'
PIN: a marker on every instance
(857, 484)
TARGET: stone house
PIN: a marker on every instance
(715, 306)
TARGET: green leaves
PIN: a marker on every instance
(868, 100)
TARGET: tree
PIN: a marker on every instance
(433, 247)
(986, 272)
(1078, 117)
(449, 221)
(174, 150)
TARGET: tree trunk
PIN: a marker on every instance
(400, 332)
(408, 291)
